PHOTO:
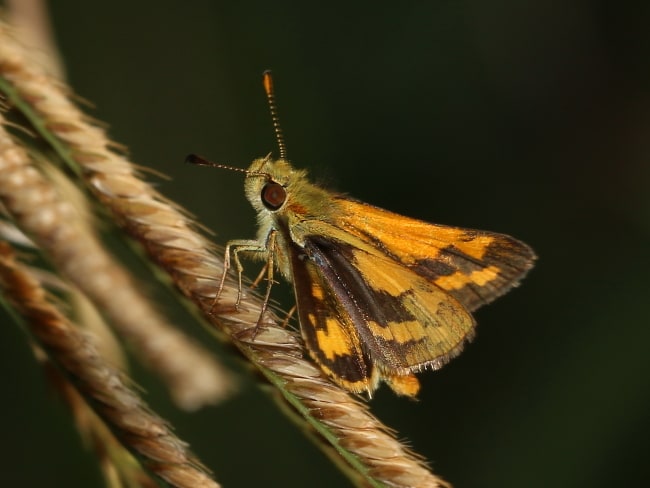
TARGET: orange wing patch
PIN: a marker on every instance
(334, 341)
(458, 280)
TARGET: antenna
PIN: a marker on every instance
(270, 97)
(201, 161)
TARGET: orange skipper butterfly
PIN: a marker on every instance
(379, 296)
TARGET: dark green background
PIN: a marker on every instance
(530, 118)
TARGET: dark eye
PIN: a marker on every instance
(273, 196)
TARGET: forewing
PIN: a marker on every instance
(474, 266)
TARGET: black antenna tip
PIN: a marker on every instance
(195, 159)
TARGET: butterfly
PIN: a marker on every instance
(379, 296)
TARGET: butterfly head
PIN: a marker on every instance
(271, 183)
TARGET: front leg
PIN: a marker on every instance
(234, 248)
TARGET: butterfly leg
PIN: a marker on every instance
(270, 244)
(263, 272)
(232, 250)
(285, 322)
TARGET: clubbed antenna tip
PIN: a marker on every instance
(270, 96)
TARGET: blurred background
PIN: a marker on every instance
(528, 118)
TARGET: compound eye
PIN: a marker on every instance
(273, 195)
